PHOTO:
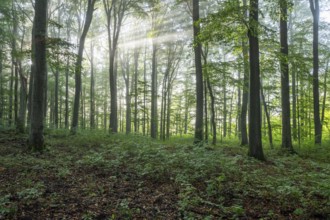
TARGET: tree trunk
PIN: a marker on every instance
(56, 101)
(1, 87)
(214, 126)
(293, 80)
(12, 89)
(115, 12)
(66, 117)
(36, 140)
(245, 99)
(206, 134)
(168, 111)
(239, 107)
(154, 116)
(255, 143)
(230, 115)
(224, 87)
(23, 98)
(136, 73)
(57, 73)
(314, 5)
(199, 75)
(16, 92)
(285, 87)
(126, 75)
(92, 90)
(78, 67)
(144, 91)
(325, 92)
(269, 125)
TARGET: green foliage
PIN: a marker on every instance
(31, 193)
(6, 207)
(218, 182)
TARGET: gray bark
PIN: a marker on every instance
(36, 139)
(255, 143)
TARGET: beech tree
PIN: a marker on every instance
(255, 143)
(78, 67)
(199, 75)
(315, 8)
(36, 139)
(285, 88)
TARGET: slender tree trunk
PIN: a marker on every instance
(144, 91)
(92, 90)
(16, 91)
(224, 87)
(293, 79)
(255, 143)
(154, 116)
(105, 104)
(51, 108)
(230, 116)
(163, 109)
(46, 95)
(136, 73)
(314, 5)
(239, 107)
(78, 67)
(269, 125)
(325, 92)
(32, 74)
(206, 133)
(57, 73)
(66, 117)
(67, 69)
(186, 106)
(115, 11)
(56, 90)
(126, 74)
(245, 99)
(14, 73)
(285, 87)
(36, 140)
(199, 75)
(214, 126)
(23, 98)
(168, 112)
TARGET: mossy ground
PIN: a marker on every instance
(94, 175)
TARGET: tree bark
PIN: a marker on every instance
(314, 5)
(78, 67)
(36, 139)
(255, 143)
(285, 87)
(245, 98)
(126, 76)
(92, 90)
(269, 125)
(136, 73)
(214, 126)
(294, 84)
(154, 94)
(199, 75)
(144, 91)
(325, 92)
(23, 99)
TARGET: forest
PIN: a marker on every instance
(164, 109)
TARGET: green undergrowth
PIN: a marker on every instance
(211, 182)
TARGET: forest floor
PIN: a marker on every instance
(99, 176)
